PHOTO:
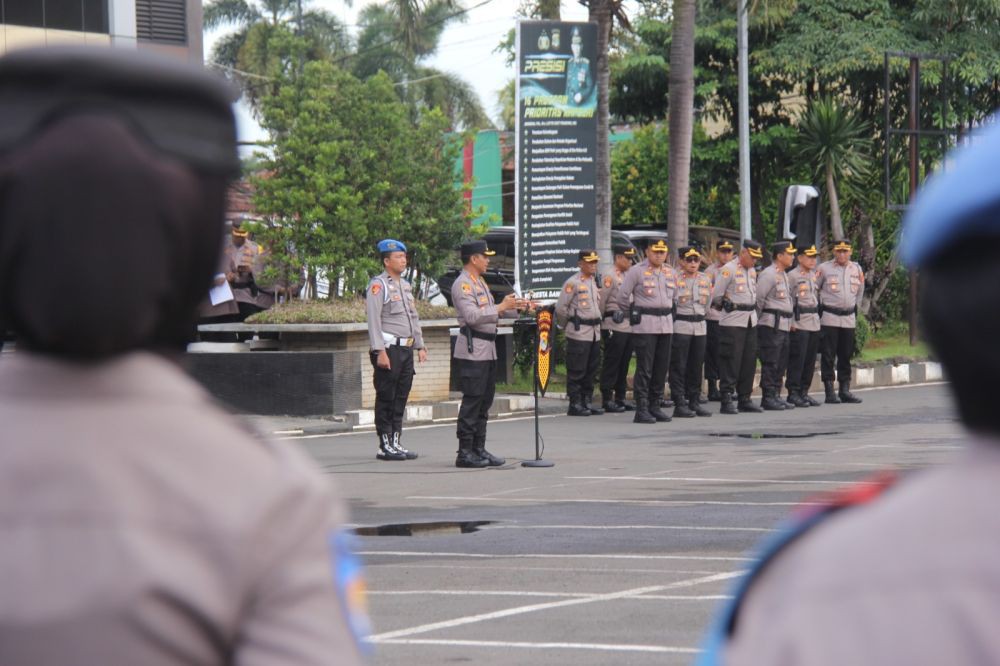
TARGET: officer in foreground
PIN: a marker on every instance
(394, 334)
(774, 302)
(142, 525)
(723, 255)
(578, 311)
(648, 289)
(694, 290)
(735, 294)
(803, 339)
(841, 286)
(908, 576)
(617, 336)
(476, 352)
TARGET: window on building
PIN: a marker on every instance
(77, 15)
(161, 21)
(24, 12)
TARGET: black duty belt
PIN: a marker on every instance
(812, 310)
(744, 307)
(587, 322)
(695, 319)
(777, 313)
(466, 331)
(610, 314)
(840, 312)
(656, 312)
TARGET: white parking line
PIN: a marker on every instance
(522, 568)
(556, 500)
(607, 647)
(520, 610)
(551, 595)
(560, 556)
(704, 479)
(694, 528)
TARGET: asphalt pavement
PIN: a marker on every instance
(620, 552)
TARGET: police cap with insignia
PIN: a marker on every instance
(390, 245)
(724, 245)
(588, 256)
(841, 245)
(782, 247)
(624, 250)
(810, 251)
(475, 247)
(659, 246)
(688, 252)
(754, 248)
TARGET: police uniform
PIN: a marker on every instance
(803, 340)
(774, 302)
(649, 291)
(840, 291)
(735, 292)
(688, 346)
(476, 359)
(579, 80)
(712, 318)
(245, 256)
(617, 340)
(393, 327)
(578, 311)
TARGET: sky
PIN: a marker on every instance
(465, 49)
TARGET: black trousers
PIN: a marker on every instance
(686, 358)
(582, 360)
(392, 387)
(478, 381)
(802, 348)
(614, 369)
(652, 360)
(712, 351)
(837, 345)
(773, 350)
(737, 359)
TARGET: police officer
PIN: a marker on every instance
(694, 290)
(723, 255)
(476, 352)
(649, 287)
(774, 302)
(578, 311)
(394, 334)
(735, 293)
(579, 80)
(803, 339)
(616, 335)
(841, 285)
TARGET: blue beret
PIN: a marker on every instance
(960, 201)
(389, 245)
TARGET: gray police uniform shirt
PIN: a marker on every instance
(649, 287)
(773, 293)
(739, 285)
(692, 297)
(580, 296)
(610, 285)
(805, 294)
(712, 272)
(840, 287)
(143, 525)
(475, 307)
(910, 578)
(391, 310)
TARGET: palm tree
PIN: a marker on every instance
(262, 45)
(680, 112)
(837, 144)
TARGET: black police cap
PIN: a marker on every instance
(476, 247)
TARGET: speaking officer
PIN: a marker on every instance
(650, 286)
(735, 292)
(687, 354)
(774, 302)
(394, 334)
(723, 255)
(616, 335)
(476, 352)
(841, 285)
(579, 306)
(803, 339)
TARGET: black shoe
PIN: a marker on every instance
(627, 405)
(577, 409)
(594, 411)
(667, 403)
(769, 403)
(795, 399)
(786, 403)
(696, 407)
(846, 395)
(746, 405)
(682, 411)
(410, 455)
(470, 458)
(660, 415)
(491, 460)
(642, 414)
(713, 391)
(812, 402)
(728, 406)
(386, 451)
(831, 395)
(612, 407)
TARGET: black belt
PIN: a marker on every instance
(657, 312)
(691, 318)
(587, 322)
(609, 315)
(777, 313)
(840, 312)
(812, 310)
(466, 331)
(743, 307)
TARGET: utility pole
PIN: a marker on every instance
(744, 117)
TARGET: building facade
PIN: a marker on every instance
(168, 26)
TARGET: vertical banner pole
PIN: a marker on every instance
(543, 350)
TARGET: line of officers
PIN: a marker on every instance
(679, 320)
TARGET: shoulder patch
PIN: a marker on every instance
(466, 287)
(376, 288)
(607, 280)
(569, 289)
(725, 273)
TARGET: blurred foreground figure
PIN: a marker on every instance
(140, 524)
(908, 575)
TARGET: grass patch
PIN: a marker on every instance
(892, 342)
(338, 311)
(523, 382)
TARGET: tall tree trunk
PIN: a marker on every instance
(836, 225)
(681, 115)
(600, 13)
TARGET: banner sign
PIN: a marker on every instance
(546, 339)
(556, 144)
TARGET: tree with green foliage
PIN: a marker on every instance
(349, 167)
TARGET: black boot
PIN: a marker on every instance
(810, 401)
(795, 398)
(491, 460)
(745, 404)
(656, 409)
(713, 391)
(642, 414)
(831, 395)
(667, 402)
(627, 405)
(681, 409)
(469, 457)
(727, 404)
(846, 395)
(609, 404)
(410, 455)
(787, 403)
(386, 451)
(587, 400)
(770, 402)
(695, 406)
(576, 406)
